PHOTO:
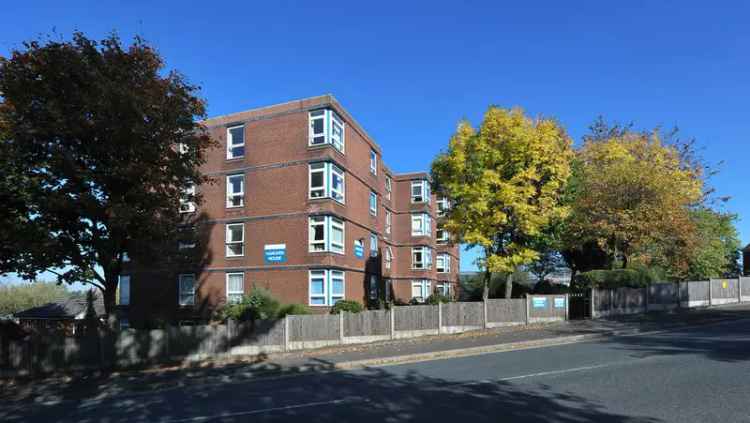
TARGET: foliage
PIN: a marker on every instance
(437, 298)
(349, 306)
(472, 288)
(633, 193)
(15, 298)
(545, 287)
(636, 277)
(716, 246)
(505, 182)
(259, 305)
(292, 310)
(89, 136)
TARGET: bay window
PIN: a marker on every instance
(326, 287)
(421, 289)
(326, 127)
(442, 205)
(326, 234)
(420, 191)
(388, 222)
(326, 181)
(373, 162)
(388, 257)
(421, 224)
(421, 258)
(388, 187)
(373, 245)
(373, 204)
(443, 263)
(442, 236)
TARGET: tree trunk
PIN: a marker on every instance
(509, 285)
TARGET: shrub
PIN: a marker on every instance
(616, 278)
(437, 298)
(346, 305)
(259, 305)
(293, 309)
(548, 288)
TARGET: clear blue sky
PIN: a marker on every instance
(409, 71)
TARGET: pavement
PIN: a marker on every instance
(683, 367)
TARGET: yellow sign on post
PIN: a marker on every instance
(724, 285)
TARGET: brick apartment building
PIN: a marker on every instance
(303, 205)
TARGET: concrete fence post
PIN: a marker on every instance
(592, 307)
(485, 323)
(710, 292)
(440, 317)
(341, 327)
(647, 290)
(567, 309)
(611, 301)
(527, 310)
(739, 289)
(392, 313)
(286, 333)
(679, 303)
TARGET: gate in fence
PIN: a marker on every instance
(580, 305)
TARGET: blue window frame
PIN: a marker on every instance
(326, 287)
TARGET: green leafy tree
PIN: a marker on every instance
(716, 246)
(101, 145)
(17, 297)
(505, 182)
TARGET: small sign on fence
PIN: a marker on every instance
(539, 302)
(559, 302)
(275, 253)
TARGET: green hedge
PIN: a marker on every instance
(617, 278)
(348, 306)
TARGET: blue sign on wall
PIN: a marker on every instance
(539, 302)
(559, 302)
(359, 249)
(275, 253)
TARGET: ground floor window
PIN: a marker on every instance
(444, 288)
(187, 289)
(420, 289)
(235, 287)
(326, 287)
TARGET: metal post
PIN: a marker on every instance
(286, 333)
(341, 327)
(440, 317)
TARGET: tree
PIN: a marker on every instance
(505, 182)
(103, 146)
(717, 246)
(634, 193)
(17, 297)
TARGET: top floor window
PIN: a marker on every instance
(326, 127)
(388, 187)
(235, 142)
(420, 191)
(373, 162)
(442, 205)
(326, 181)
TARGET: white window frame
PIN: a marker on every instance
(443, 263)
(421, 224)
(388, 187)
(124, 290)
(231, 195)
(445, 288)
(231, 295)
(373, 162)
(329, 171)
(444, 238)
(388, 222)
(227, 241)
(328, 296)
(373, 203)
(327, 244)
(426, 262)
(181, 292)
(330, 120)
(231, 142)
(443, 205)
(424, 286)
(373, 245)
(186, 205)
(424, 191)
(388, 256)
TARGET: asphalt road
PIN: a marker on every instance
(689, 375)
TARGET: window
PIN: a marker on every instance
(421, 224)
(326, 287)
(235, 287)
(124, 323)
(388, 257)
(124, 296)
(235, 191)
(388, 187)
(326, 127)
(421, 258)
(373, 287)
(187, 205)
(359, 247)
(373, 204)
(185, 245)
(443, 263)
(235, 239)
(326, 234)
(235, 142)
(420, 191)
(125, 257)
(373, 245)
(420, 289)
(387, 288)
(326, 181)
(442, 236)
(388, 222)
(182, 148)
(373, 162)
(445, 288)
(442, 205)
(187, 289)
